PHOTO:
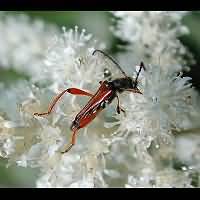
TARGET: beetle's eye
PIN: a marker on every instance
(107, 73)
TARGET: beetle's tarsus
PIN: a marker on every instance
(73, 140)
(41, 114)
(121, 109)
(67, 149)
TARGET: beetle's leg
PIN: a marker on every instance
(83, 122)
(77, 91)
(118, 107)
(72, 143)
(74, 91)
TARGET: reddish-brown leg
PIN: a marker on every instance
(74, 91)
(83, 122)
(73, 140)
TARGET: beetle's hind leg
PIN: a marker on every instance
(74, 91)
(52, 104)
(72, 143)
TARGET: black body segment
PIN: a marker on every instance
(121, 84)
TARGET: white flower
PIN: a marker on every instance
(167, 178)
(152, 37)
(23, 43)
(187, 150)
(37, 142)
(7, 140)
(136, 150)
(78, 169)
(43, 139)
(164, 106)
(69, 60)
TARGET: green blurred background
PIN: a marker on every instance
(97, 23)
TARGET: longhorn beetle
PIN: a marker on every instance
(107, 91)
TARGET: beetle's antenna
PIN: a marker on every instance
(105, 54)
(136, 79)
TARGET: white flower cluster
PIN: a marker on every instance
(152, 36)
(70, 53)
(24, 43)
(139, 149)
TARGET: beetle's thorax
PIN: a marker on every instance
(121, 84)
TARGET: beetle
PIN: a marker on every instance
(107, 92)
